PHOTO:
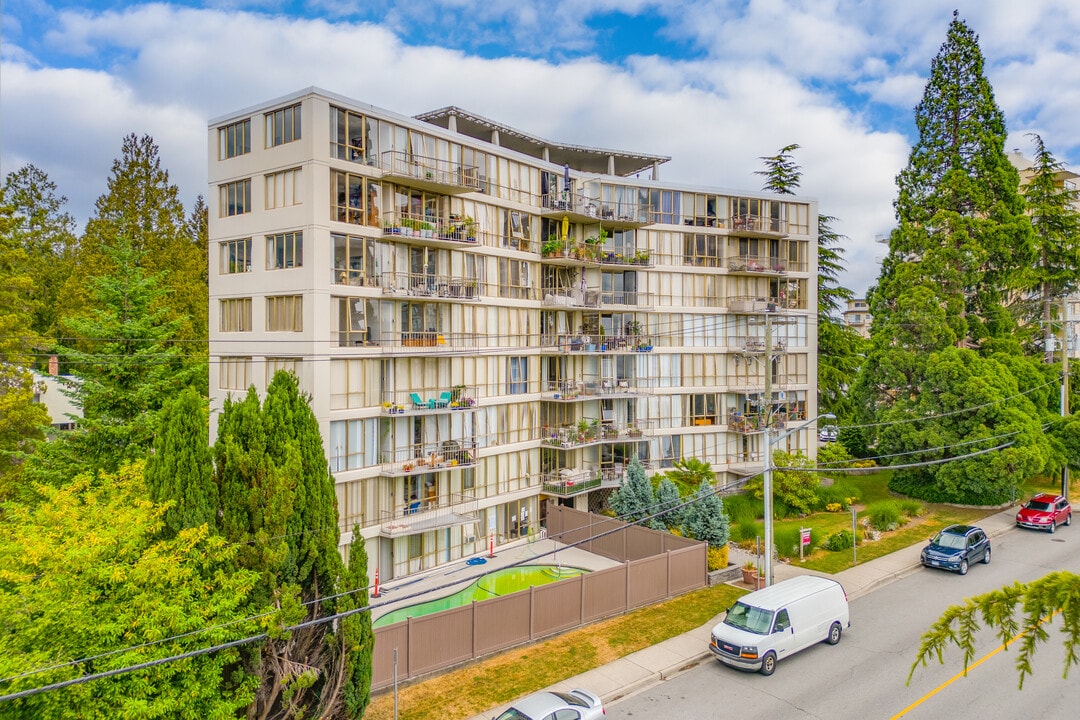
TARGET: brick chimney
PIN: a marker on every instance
(54, 365)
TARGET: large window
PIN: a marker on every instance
(235, 315)
(703, 409)
(235, 198)
(234, 373)
(513, 278)
(283, 188)
(282, 126)
(288, 364)
(517, 376)
(234, 140)
(701, 250)
(285, 250)
(351, 136)
(285, 313)
(356, 199)
(354, 260)
(235, 256)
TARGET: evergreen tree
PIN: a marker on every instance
(179, 469)
(46, 234)
(839, 347)
(961, 250)
(667, 502)
(123, 360)
(1052, 207)
(357, 637)
(634, 500)
(705, 518)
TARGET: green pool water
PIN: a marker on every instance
(500, 582)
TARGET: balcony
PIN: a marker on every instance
(572, 390)
(567, 482)
(428, 173)
(564, 297)
(590, 432)
(425, 285)
(353, 278)
(626, 298)
(758, 226)
(429, 401)
(439, 513)
(756, 345)
(423, 458)
(618, 344)
(428, 230)
(763, 304)
(757, 265)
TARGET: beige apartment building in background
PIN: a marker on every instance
(488, 322)
(857, 316)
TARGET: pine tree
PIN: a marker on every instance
(46, 234)
(667, 502)
(1051, 203)
(179, 469)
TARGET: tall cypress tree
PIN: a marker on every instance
(179, 469)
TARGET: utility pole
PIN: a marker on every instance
(1065, 383)
(767, 465)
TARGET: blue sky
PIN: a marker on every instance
(715, 84)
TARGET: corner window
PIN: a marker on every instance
(235, 256)
(282, 126)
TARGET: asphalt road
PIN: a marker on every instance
(864, 676)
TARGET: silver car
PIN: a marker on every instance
(574, 705)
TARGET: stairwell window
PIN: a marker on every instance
(285, 250)
(282, 126)
(285, 313)
(235, 198)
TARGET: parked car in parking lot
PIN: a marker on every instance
(575, 705)
(1045, 512)
(956, 547)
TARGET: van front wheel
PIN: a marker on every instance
(768, 663)
(834, 634)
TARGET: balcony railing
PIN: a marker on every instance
(589, 432)
(762, 304)
(626, 298)
(567, 482)
(424, 401)
(589, 344)
(583, 209)
(757, 264)
(564, 297)
(432, 173)
(455, 287)
(429, 457)
(421, 515)
(411, 225)
(757, 344)
(355, 278)
(759, 225)
(588, 388)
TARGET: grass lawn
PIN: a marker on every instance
(480, 686)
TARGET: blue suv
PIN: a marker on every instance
(956, 547)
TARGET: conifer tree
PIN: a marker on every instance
(705, 518)
(667, 502)
(634, 500)
(179, 469)
(357, 639)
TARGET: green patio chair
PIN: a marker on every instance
(443, 400)
(418, 403)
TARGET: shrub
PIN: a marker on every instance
(864, 464)
(787, 541)
(841, 493)
(884, 515)
(718, 558)
(746, 531)
(911, 508)
(839, 541)
(743, 508)
(834, 507)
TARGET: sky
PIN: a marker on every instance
(714, 84)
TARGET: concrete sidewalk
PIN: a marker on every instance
(654, 664)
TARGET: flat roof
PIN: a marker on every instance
(579, 157)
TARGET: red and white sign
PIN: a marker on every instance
(805, 536)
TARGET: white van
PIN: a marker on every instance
(771, 624)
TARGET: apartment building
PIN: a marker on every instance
(857, 316)
(489, 322)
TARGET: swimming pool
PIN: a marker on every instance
(499, 582)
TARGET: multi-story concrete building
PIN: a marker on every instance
(857, 316)
(488, 322)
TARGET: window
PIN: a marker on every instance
(235, 256)
(703, 409)
(701, 250)
(284, 313)
(234, 140)
(282, 126)
(285, 250)
(356, 199)
(518, 376)
(283, 188)
(351, 321)
(350, 135)
(234, 373)
(235, 315)
(513, 278)
(275, 364)
(354, 260)
(782, 622)
(235, 198)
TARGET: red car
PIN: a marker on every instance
(1045, 512)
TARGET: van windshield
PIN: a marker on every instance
(749, 618)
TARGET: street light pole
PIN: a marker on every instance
(768, 491)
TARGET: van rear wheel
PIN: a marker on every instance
(768, 663)
(834, 634)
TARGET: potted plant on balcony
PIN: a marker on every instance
(470, 228)
(633, 431)
(552, 246)
(641, 257)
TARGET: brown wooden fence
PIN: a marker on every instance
(655, 566)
